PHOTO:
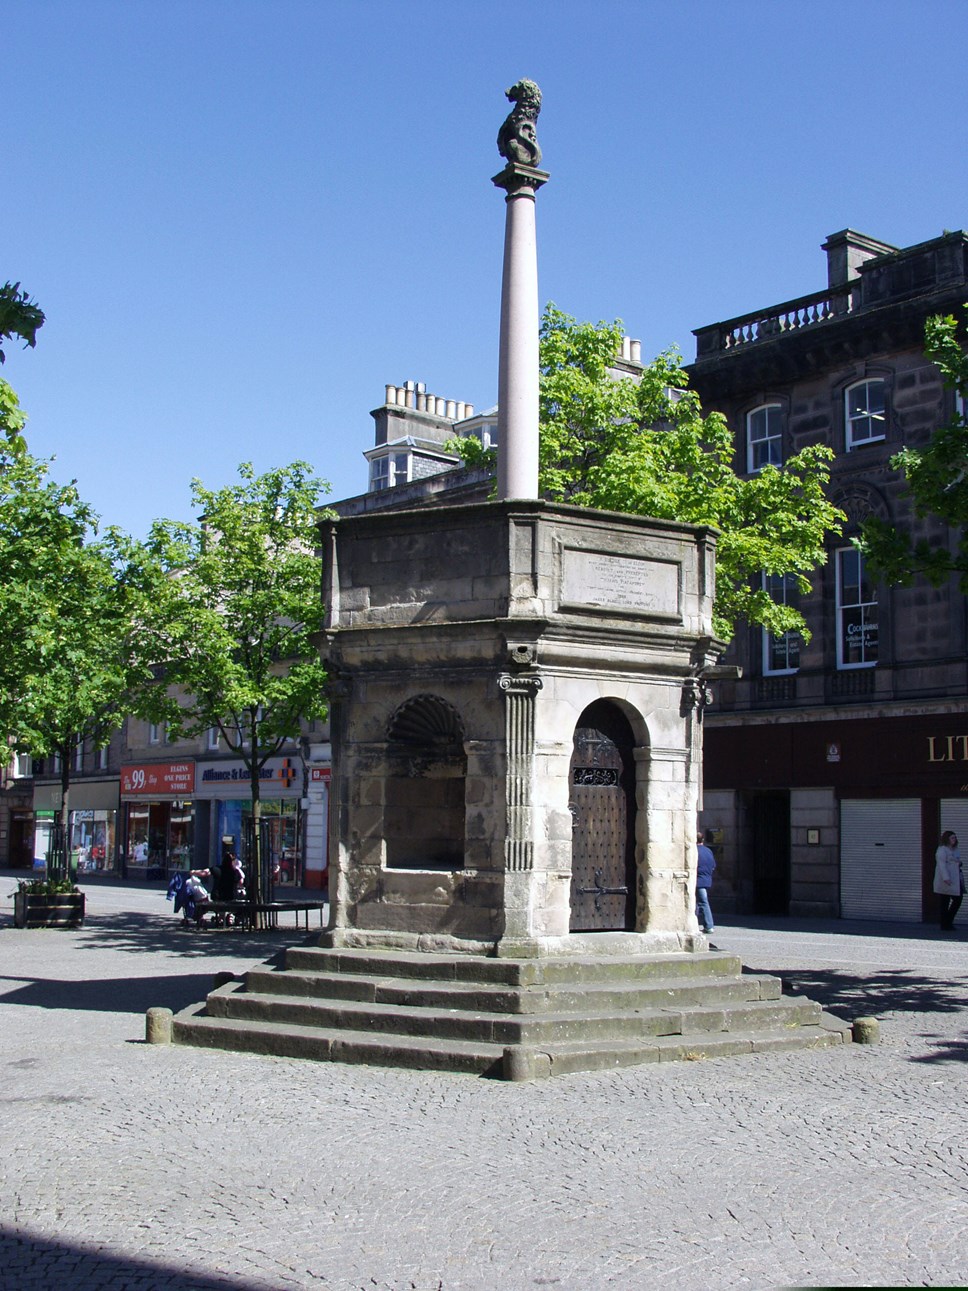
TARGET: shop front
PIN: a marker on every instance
(159, 834)
(223, 799)
(92, 824)
(857, 805)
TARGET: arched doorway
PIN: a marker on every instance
(602, 804)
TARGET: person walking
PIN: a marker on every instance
(704, 881)
(949, 880)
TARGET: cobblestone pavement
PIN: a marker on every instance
(140, 1167)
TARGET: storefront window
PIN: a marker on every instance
(159, 838)
(283, 824)
(92, 840)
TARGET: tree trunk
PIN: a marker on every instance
(258, 860)
(65, 813)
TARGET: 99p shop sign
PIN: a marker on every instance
(158, 778)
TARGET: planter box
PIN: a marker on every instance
(35, 910)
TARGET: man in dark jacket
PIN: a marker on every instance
(704, 881)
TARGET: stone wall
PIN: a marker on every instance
(464, 645)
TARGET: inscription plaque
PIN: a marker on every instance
(631, 583)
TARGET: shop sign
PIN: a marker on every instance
(154, 778)
(279, 774)
(324, 774)
(948, 748)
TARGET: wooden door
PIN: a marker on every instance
(602, 803)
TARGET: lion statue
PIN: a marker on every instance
(517, 139)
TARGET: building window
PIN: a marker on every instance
(866, 417)
(213, 736)
(102, 758)
(764, 431)
(23, 766)
(389, 470)
(154, 733)
(79, 755)
(781, 654)
(57, 764)
(856, 612)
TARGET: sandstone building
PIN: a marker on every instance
(832, 766)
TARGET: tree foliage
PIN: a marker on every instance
(937, 479)
(239, 612)
(643, 447)
(74, 657)
(19, 316)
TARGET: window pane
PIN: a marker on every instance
(782, 653)
(866, 418)
(764, 428)
(856, 612)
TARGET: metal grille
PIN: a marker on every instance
(880, 859)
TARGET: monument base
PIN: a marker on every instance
(574, 944)
(510, 1018)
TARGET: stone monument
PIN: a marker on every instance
(515, 734)
(516, 694)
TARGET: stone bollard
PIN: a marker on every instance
(866, 1031)
(222, 979)
(521, 1063)
(158, 1026)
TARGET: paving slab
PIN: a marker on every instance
(145, 1166)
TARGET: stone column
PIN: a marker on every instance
(517, 454)
(519, 742)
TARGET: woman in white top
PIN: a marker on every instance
(948, 880)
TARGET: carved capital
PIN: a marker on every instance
(338, 684)
(696, 695)
(527, 684)
(520, 181)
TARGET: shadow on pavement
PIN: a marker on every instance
(145, 933)
(873, 994)
(39, 1264)
(107, 995)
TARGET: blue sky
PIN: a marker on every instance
(244, 217)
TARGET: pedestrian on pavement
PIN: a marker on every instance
(704, 881)
(949, 879)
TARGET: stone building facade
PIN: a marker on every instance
(832, 765)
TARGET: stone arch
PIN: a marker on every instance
(426, 771)
(859, 500)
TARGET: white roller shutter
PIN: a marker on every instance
(954, 815)
(880, 859)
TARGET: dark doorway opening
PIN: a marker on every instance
(769, 815)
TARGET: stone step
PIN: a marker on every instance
(510, 972)
(320, 1044)
(485, 997)
(285, 1040)
(504, 1028)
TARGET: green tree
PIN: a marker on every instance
(937, 479)
(643, 447)
(74, 657)
(239, 611)
(19, 316)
